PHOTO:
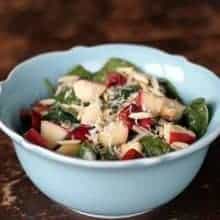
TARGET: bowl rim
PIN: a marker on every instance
(46, 153)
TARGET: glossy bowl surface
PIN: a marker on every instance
(108, 189)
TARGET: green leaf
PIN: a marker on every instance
(109, 155)
(86, 152)
(111, 65)
(120, 96)
(197, 116)
(154, 146)
(58, 115)
(170, 90)
(81, 72)
(128, 90)
(50, 86)
(67, 96)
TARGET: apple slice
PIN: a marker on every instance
(114, 133)
(175, 133)
(80, 133)
(69, 149)
(88, 91)
(34, 137)
(131, 154)
(162, 106)
(150, 102)
(128, 146)
(172, 110)
(91, 114)
(52, 133)
(115, 79)
(47, 102)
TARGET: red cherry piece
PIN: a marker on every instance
(132, 154)
(34, 137)
(182, 137)
(115, 79)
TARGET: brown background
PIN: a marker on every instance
(191, 28)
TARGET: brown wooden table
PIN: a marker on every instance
(190, 28)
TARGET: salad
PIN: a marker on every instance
(116, 113)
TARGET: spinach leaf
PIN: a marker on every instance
(111, 65)
(81, 72)
(67, 96)
(109, 155)
(57, 115)
(154, 146)
(128, 90)
(50, 86)
(120, 96)
(170, 89)
(197, 116)
(86, 152)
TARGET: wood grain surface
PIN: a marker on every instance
(28, 27)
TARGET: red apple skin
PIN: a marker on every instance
(80, 133)
(181, 137)
(31, 118)
(131, 154)
(34, 137)
(115, 79)
(146, 122)
(35, 120)
(124, 115)
(138, 99)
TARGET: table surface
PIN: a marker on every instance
(29, 27)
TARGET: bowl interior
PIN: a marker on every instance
(25, 84)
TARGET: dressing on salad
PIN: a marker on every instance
(116, 113)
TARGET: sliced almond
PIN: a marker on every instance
(141, 77)
(178, 145)
(72, 106)
(68, 142)
(68, 79)
(140, 115)
(47, 102)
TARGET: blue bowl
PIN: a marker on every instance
(108, 189)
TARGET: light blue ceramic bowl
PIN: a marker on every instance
(109, 189)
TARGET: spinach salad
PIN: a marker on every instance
(116, 113)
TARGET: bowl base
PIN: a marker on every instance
(110, 216)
